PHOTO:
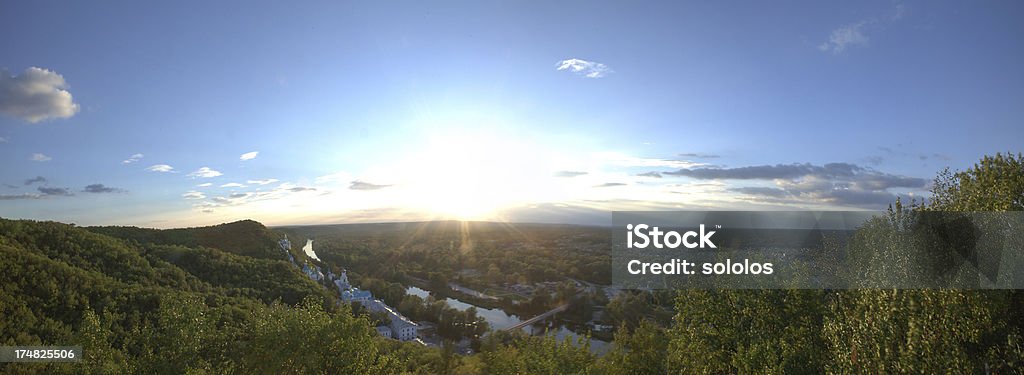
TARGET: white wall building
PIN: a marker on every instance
(357, 295)
(285, 244)
(342, 281)
(286, 247)
(401, 327)
(313, 272)
(384, 331)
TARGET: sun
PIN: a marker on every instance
(460, 204)
(474, 177)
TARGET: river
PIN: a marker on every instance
(308, 249)
(499, 319)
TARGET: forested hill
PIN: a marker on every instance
(242, 255)
(246, 237)
(129, 300)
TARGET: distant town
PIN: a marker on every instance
(507, 304)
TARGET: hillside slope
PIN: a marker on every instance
(245, 237)
(149, 307)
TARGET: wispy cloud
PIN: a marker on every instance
(205, 172)
(205, 184)
(762, 191)
(232, 184)
(650, 174)
(856, 34)
(132, 159)
(164, 168)
(193, 195)
(360, 185)
(100, 188)
(10, 197)
(40, 157)
(846, 36)
(39, 179)
(609, 184)
(617, 159)
(834, 183)
(569, 173)
(263, 182)
(887, 154)
(249, 155)
(35, 95)
(3, 140)
(589, 69)
(792, 171)
(239, 198)
(698, 155)
(55, 191)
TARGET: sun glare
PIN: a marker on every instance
(473, 177)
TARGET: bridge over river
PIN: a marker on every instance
(538, 318)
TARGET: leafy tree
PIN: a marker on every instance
(762, 331)
(928, 331)
(996, 183)
(101, 357)
(644, 351)
(306, 339)
(540, 355)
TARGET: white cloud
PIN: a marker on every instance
(35, 95)
(856, 34)
(40, 157)
(132, 159)
(361, 185)
(192, 194)
(622, 160)
(263, 182)
(589, 69)
(898, 12)
(846, 36)
(160, 168)
(249, 155)
(205, 172)
(232, 184)
(236, 200)
(206, 184)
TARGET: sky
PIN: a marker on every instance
(195, 113)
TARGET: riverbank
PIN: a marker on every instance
(500, 319)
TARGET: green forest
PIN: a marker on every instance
(224, 299)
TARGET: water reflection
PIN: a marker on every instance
(499, 319)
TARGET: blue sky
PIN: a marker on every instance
(521, 111)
